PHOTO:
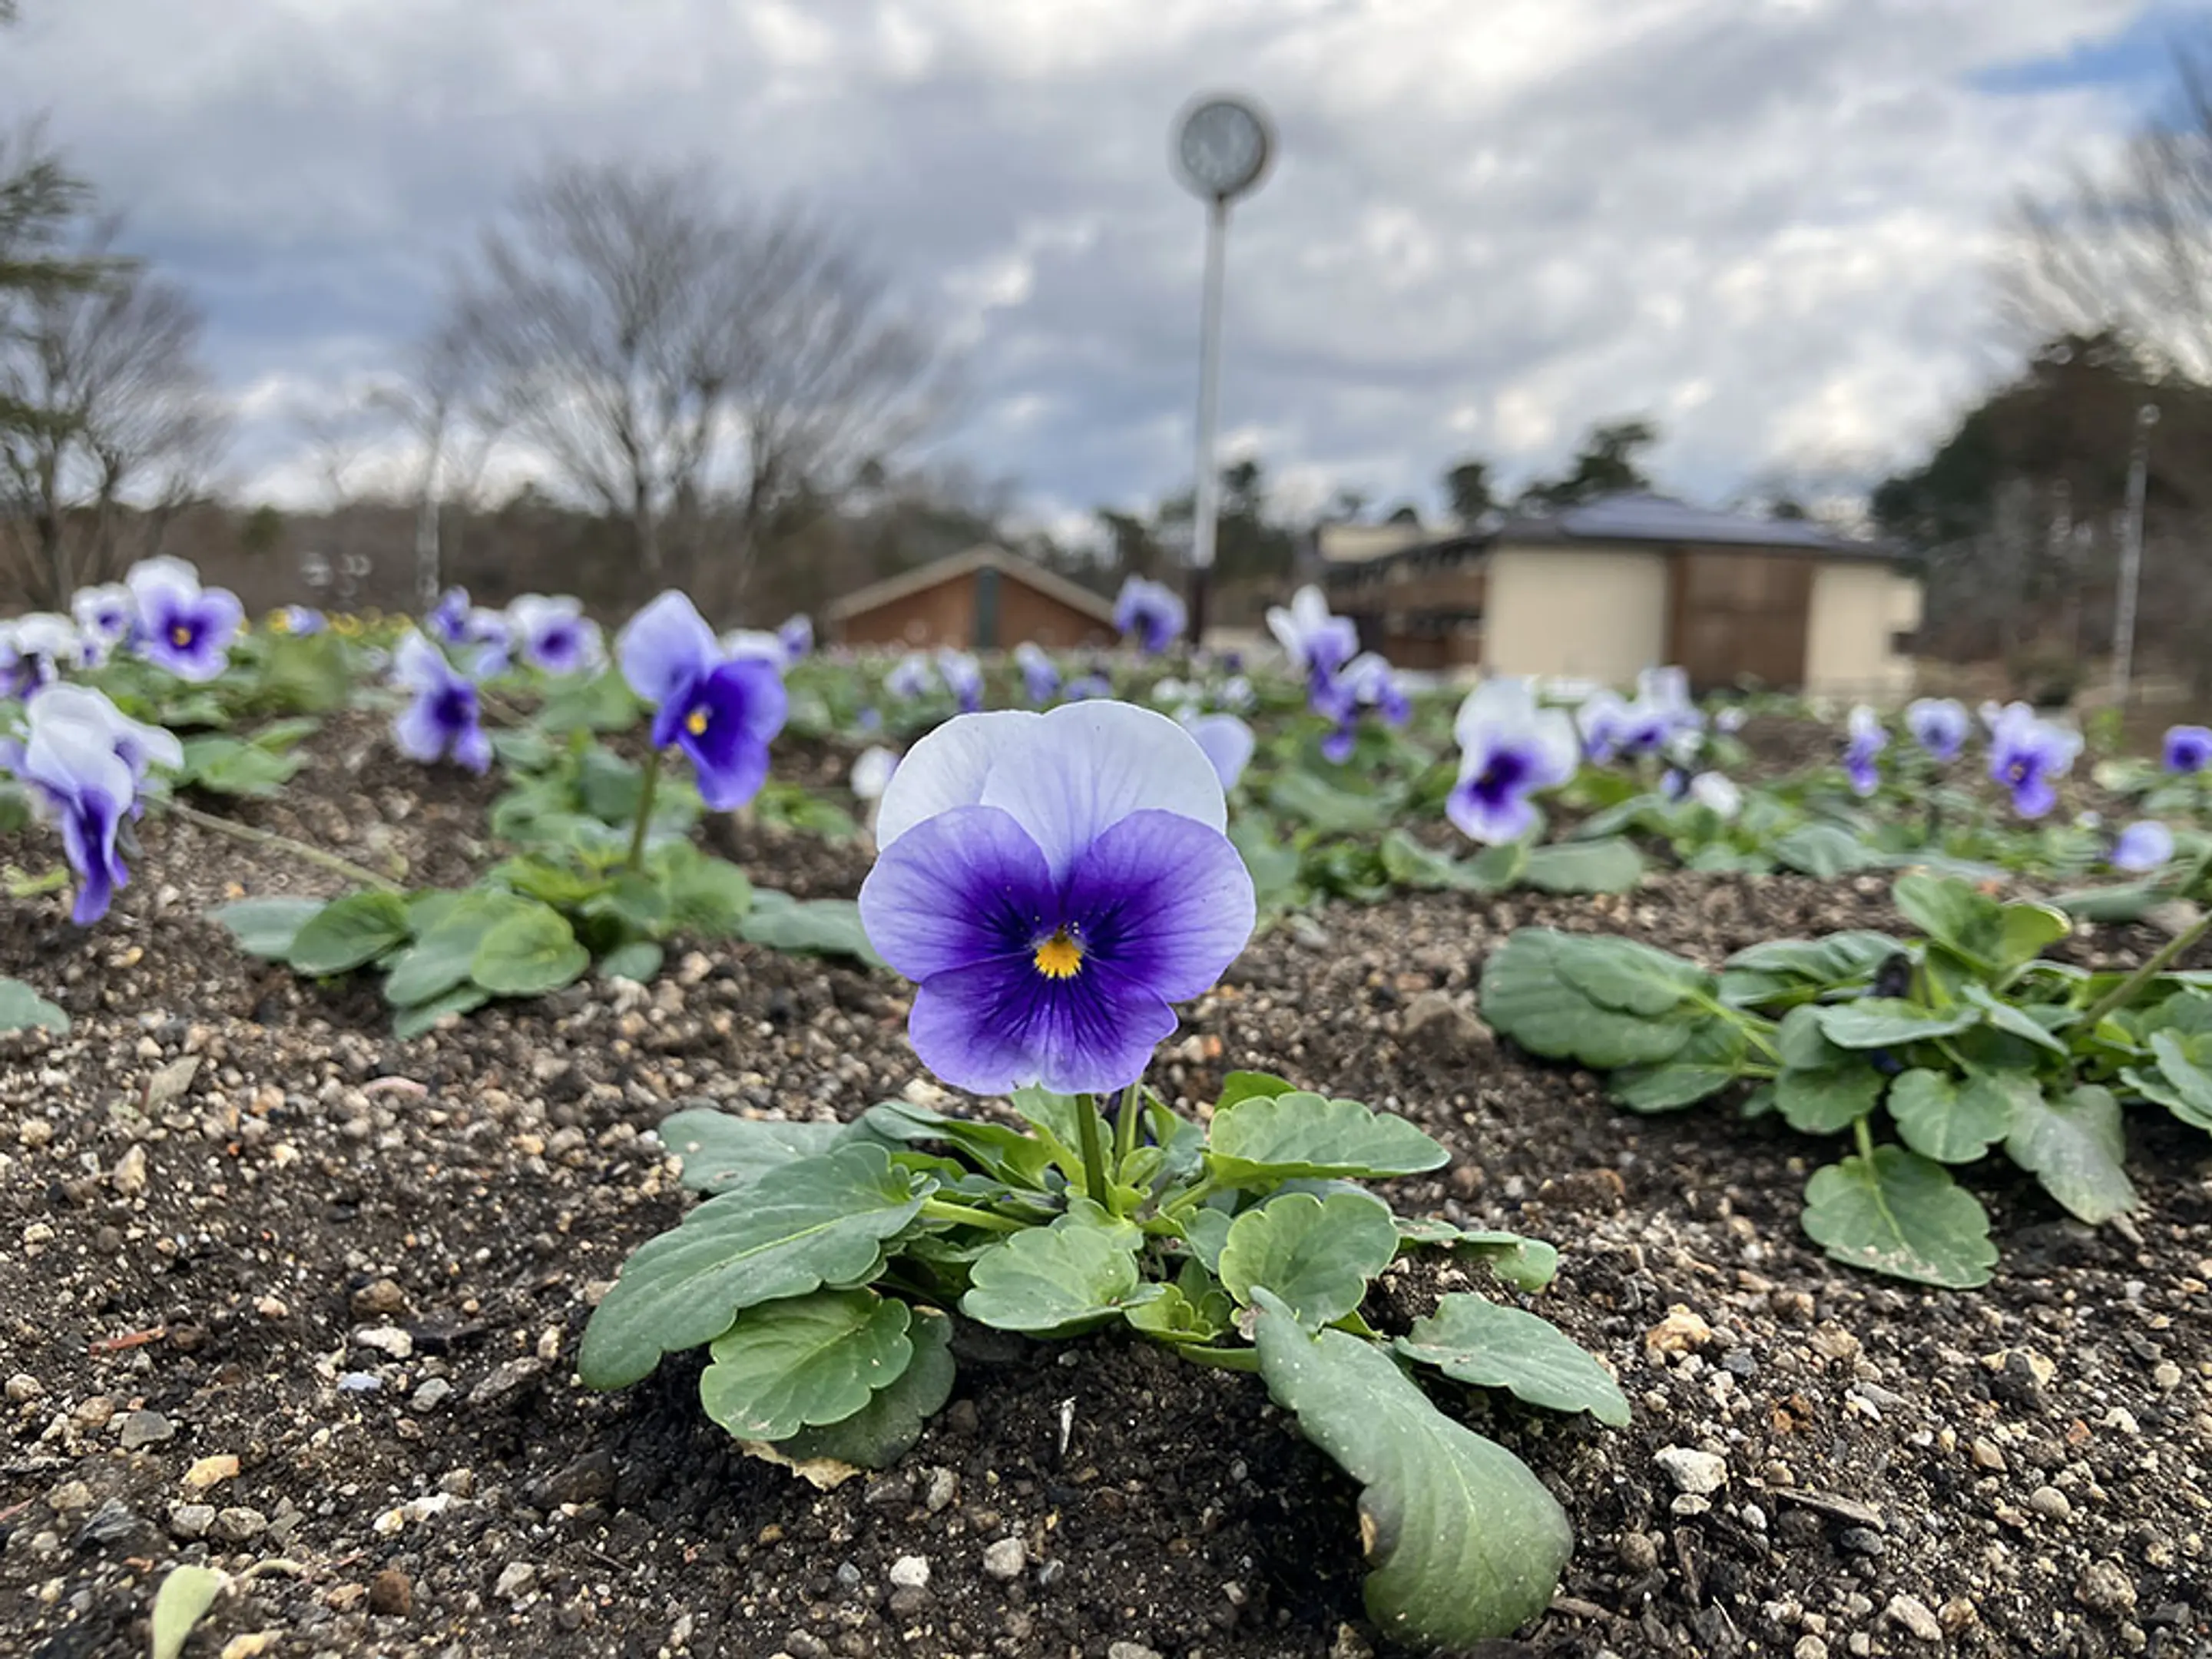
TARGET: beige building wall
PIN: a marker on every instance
(1588, 614)
(1858, 611)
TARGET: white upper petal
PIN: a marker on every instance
(1505, 705)
(946, 770)
(163, 574)
(1069, 775)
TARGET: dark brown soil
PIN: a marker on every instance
(360, 1268)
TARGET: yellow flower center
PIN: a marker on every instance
(1059, 957)
(695, 722)
(179, 635)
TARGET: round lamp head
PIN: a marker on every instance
(1222, 146)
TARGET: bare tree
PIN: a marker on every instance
(677, 360)
(113, 424)
(2127, 250)
(439, 404)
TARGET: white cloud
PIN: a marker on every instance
(1764, 221)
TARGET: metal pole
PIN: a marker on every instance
(1205, 498)
(2131, 540)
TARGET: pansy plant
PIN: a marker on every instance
(1055, 885)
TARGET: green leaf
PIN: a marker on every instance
(1823, 1101)
(2075, 1145)
(1409, 864)
(529, 953)
(23, 1009)
(266, 927)
(822, 927)
(2015, 1020)
(822, 1221)
(1324, 808)
(1206, 1229)
(1273, 866)
(1316, 1255)
(1777, 968)
(1173, 1316)
(1474, 1340)
(410, 1023)
(2125, 904)
(1583, 866)
(1826, 851)
(1528, 998)
(347, 933)
(1630, 978)
(444, 949)
(1940, 1119)
(1890, 1022)
(1899, 1214)
(1005, 1153)
(639, 961)
(722, 1153)
(1465, 1542)
(1995, 937)
(2190, 1085)
(1714, 1057)
(187, 1593)
(804, 1361)
(229, 766)
(1526, 1264)
(709, 897)
(886, 1428)
(1055, 1280)
(1251, 1085)
(1285, 1137)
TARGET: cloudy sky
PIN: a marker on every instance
(1766, 223)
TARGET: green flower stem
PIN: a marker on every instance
(297, 849)
(645, 793)
(1094, 1155)
(1125, 1126)
(940, 1209)
(1864, 1136)
(1226, 1359)
(2132, 986)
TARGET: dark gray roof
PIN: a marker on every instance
(1636, 517)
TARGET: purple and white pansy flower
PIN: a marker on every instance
(104, 616)
(910, 677)
(2027, 754)
(721, 711)
(1315, 641)
(2187, 749)
(180, 625)
(553, 635)
(1939, 726)
(1054, 884)
(1509, 747)
(85, 762)
(36, 650)
(963, 676)
(1040, 677)
(1865, 740)
(2143, 847)
(441, 720)
(1149, 614)
(796, 635)
(302, 622)
(1227, 741)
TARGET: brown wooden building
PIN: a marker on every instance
(983, 599)
(1630, 581)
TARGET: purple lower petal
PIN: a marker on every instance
(963, 888)
(1000, 1025)
(1486, 816)
(1162, 902)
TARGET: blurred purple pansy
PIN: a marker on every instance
(963, 678)
(2188, 749)
(303, 621)
(84, 762)
(1150, 613)
(2143, 847)
(440, 721)
(1509, 747)
(36, 650)
(1040, 679)
(723, 712)
(1054, 884)
(910, 677)
(553, 635)
(103, 614)
(1865, 740)
(1939, 724)
(1315, 641)
(1227, 741)
(796, 634)
(2027, 754)
(180, 625)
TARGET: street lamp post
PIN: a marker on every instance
(2131, 546)
(1222, 148)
